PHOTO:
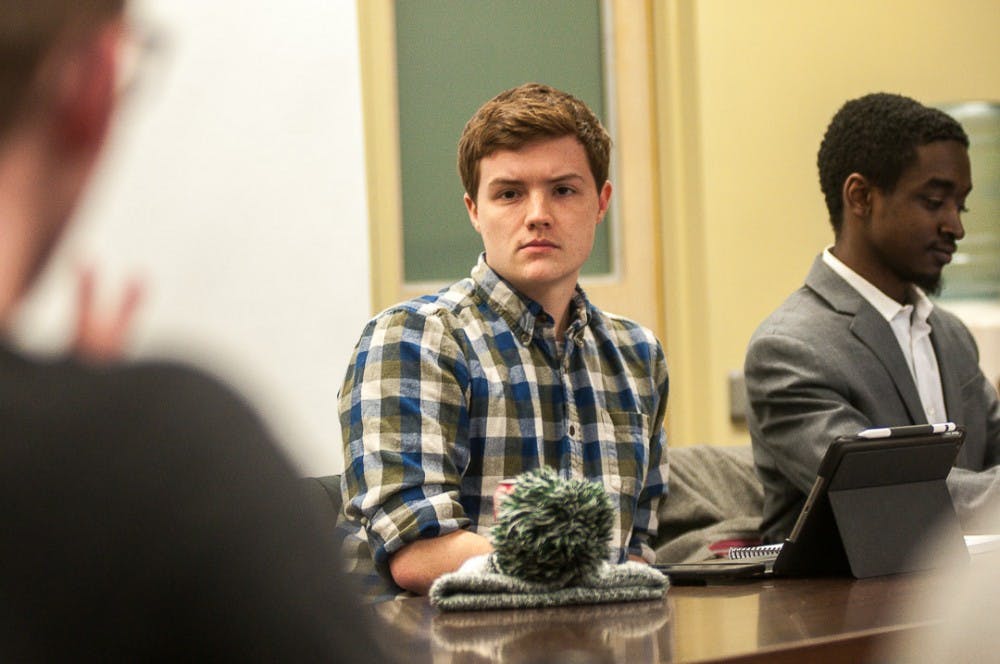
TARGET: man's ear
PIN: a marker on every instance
(86, 90)
(603, 201)
(470, 206)
(858, 192)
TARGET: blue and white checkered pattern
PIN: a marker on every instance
(448, 394)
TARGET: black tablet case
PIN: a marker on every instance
(881, 507)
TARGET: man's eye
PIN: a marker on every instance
(564, 190)
(932, 203)
(507, 195)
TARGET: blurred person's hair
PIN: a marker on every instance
(29, 30)
(523, 115)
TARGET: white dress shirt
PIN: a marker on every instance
(913, 332)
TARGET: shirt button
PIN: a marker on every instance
(572, 431)
(525, 338)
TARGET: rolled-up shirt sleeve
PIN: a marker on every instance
(402, 408)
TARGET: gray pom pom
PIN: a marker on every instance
(553, 530)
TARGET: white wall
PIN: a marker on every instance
(234, 185)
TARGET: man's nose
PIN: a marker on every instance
(952, 225)
(539, 210)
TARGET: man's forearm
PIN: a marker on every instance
(418, 564)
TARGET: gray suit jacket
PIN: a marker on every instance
(825, 364)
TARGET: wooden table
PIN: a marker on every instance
(777, 620)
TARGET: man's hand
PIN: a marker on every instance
(102, 338)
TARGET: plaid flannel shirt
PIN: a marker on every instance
(448, 394)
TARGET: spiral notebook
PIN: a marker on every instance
(882, 485)
(760, 551)
(769, 552)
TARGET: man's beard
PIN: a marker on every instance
(930, 284)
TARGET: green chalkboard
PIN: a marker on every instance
(453, 55)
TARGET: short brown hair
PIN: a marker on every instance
(526, 114)
(28, 31)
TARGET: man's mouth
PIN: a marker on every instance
(943, 253)
(539, 244)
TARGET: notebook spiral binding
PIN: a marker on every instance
(740, 552)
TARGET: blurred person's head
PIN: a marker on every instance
(527, 114)
(58, 83)
(956, 606)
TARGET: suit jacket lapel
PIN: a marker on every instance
(943, 338)
(871, 329)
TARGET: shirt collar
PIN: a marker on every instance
(520, 311)
(887, 307)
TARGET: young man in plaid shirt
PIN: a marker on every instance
(509, 369)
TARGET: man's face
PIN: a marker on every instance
(913, 230)
(537, 209)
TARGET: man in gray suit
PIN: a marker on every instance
(860, 344)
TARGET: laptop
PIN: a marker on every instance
(876, 497)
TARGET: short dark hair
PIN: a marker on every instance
(877, 136)
(28, 31)
(528, 113)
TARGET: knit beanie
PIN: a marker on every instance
(550, 549)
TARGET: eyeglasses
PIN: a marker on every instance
(142, 49)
